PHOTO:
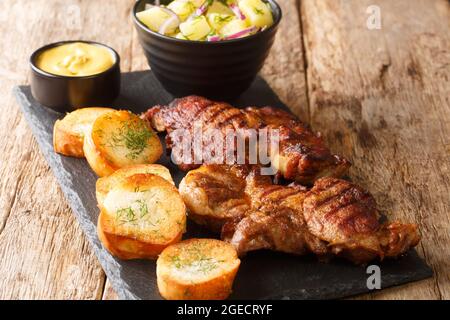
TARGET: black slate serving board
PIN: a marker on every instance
(262, 275)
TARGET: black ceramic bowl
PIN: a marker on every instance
(222, 69)
(64, 93)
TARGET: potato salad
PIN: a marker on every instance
(210, 20)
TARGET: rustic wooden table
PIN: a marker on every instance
(381, 97)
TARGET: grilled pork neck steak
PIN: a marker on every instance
(334, 218)
(302, 155)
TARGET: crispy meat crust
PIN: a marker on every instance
(302, 155)
(334, 218)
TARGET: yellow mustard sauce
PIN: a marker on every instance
(75, 59)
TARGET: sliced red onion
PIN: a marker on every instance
(213, 38)
(202, 9)
(241, 33)
(172, 20)
(238, 13)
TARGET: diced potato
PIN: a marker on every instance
(220, 8)
(234, 26)
(217, 20)
(180, 36)
(196, 28)
(213, 34)
(183, 9)
(257, 12)
(154, 18)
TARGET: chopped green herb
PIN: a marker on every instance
(258, 11)
(133, 135)
(125, 215)
(176, 261)
(222, 19)
(196, 19)
(195, 259)
(132, 213)
(143, 209)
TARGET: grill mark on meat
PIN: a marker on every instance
(229, 119)
(330, 184)
(359, 219)
(332, 216)
(232, 114)
(198, 112)
(342, 218)
(287, 194)
(210, 118)
(270, 189)
(304, 153)
(359, 222)
(280, 191)
(322, 202)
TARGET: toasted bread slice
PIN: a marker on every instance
(197, 269)
(105, 184)
(69, 132)
(119, 139)
(140, 216)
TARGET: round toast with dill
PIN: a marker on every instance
(197, 269)
(140, 216)
(119, 139)
(105, 184)
(69, 132)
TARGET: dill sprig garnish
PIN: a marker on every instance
(195, 259)
(126, 215)
(201, 264)
(143, 209)
(258, 11)
(131, 214)
(133, 135)
(222, 19)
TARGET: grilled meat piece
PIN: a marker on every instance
(215, 194)
(334, 218)
(197, 113)
(275, 220)
(345, 216)
(301, 155)
(183, 112)
(247, 209)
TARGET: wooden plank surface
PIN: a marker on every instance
(43, 251)
(380, 97)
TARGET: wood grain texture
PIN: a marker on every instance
(108, 292)
(40, 240)
(284, 68)
(381, 97)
